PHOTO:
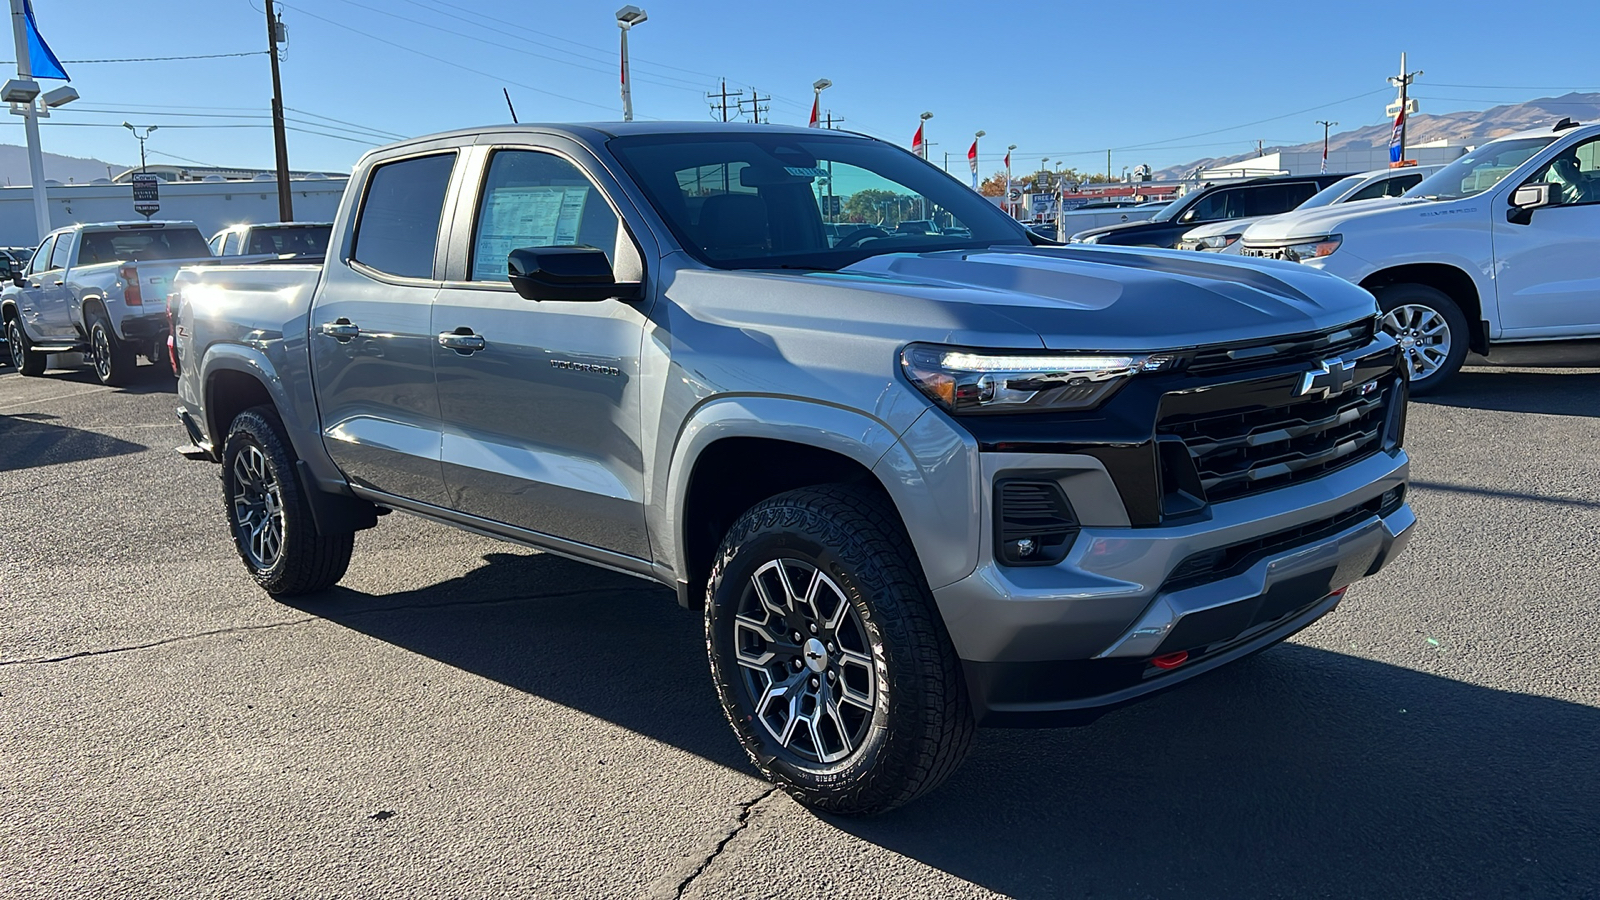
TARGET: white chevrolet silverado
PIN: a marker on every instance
(1495, 254)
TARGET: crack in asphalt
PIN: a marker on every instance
(739, 825)
(267, 626)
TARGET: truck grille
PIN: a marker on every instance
(1243, 452)
(1294, 348)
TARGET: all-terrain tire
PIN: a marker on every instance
(28, 361)
(113, 358)
(1419, 316)
(258, 463)
(920, 725)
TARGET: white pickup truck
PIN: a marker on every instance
(1497, 254)
(100, 290)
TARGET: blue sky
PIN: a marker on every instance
(1160, 83)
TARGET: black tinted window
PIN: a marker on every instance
(398, 228)
(305, 240)
(1271, 199)
(138, 244)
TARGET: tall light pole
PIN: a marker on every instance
(975, 137)
(627, 17)
(817, 87)
(1403, 82)
(925, 117)
(24, 95)
(1326, 125)
(142, 138)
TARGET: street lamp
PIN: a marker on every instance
(142, 138)
(627, 17)
(925, 117)
(1010, 148)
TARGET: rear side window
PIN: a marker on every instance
(398, 229)
(230, 244)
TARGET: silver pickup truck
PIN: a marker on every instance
(917, 482)
(100, 289)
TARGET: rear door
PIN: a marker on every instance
(542, 424)
(371, 338)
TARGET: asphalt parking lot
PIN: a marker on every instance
(466, 718)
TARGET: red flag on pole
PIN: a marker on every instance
(972, 160)
(916, 142)
(815, 102)
(1008, 160)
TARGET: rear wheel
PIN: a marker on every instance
(1431, 329)
(113, 359)
(829, 659)
(27, 360)
(268, 512)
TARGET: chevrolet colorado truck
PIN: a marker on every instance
(1497, 254)
(101, 290)
(917, 482)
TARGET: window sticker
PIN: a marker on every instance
(533, 216)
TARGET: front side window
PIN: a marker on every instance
(41, 257)
(535, 199)
(397, 232)
(1479, 170)
(1574, 173)
(812, 202)
(1387, 187)
(216, 245)
(230, 245)
(1214, 206)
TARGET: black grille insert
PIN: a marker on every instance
(1225, 562)
(1243, 452)
(1294, 348)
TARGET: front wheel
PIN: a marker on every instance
(1431, 329)
(269, 515)
(829, 658)
(28, 361)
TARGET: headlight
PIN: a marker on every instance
(1315, 249)
(999, 381)
(1218, 242)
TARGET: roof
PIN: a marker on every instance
(115, 226)
(597, 132)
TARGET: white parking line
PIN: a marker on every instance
(94, 390)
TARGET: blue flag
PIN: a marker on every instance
(1394, 136)
(41, 60)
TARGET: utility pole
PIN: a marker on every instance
(1403, 82)
(1326, 126)
(280, 143)
(756, 109)
(722, 98)
(1108, 165)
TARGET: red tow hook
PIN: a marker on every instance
(1171, 660)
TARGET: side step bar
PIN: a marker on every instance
(199, 447)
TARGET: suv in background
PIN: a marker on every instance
(1253, 198)
(1223, 237)
(290, 239)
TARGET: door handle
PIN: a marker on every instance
(462, 341)
(60, 283)
(340, 330)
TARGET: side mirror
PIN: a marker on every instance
(18, 280)
(1529, 197)
(567, 273)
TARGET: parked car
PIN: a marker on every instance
(916, 226)
(100, 290)
(1496, 253)
(1223, 237)
(272, 239)
(1233, 200)
(916, 481)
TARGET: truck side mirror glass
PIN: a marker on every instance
(576, 273)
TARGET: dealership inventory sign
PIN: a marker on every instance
(146, 194)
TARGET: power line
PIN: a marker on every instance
(128, 59)
(448, 62)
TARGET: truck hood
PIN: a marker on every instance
(1115, 298)
(1326, 220)
(1145, 225)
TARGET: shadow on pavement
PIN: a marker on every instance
(1299, 773)
(1556, 393)
(28, 442)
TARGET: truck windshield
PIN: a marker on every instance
(142, 244)
(1331, 194)
(1479, 170)
(750, 201)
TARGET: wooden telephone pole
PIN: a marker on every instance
(280, 143)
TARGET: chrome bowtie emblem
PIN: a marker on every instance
(1331, 376)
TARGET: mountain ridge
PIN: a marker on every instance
(1468, 127)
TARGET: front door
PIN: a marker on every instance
(33, 295)
(541, 413)
(1548, 271)
(371, 338)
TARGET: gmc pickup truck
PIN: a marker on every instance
(1497, 254)
(101, 290)
(917, 482)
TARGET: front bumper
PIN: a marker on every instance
(1062, 644)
